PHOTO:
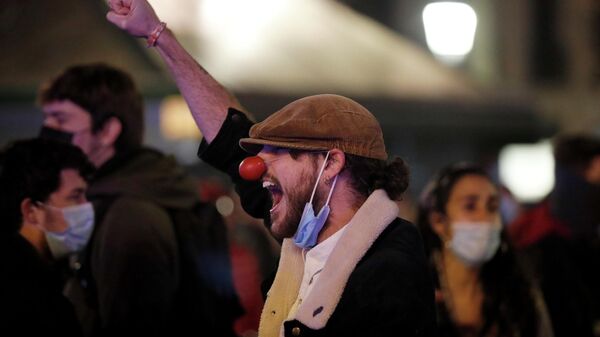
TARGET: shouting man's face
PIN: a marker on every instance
(290, 182)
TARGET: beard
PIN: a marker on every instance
(297, 197)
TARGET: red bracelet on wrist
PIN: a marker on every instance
(153, 37)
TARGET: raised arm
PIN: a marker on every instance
(207, 99)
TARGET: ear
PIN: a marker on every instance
(30, 212)
(439, 225)
(592, 173)
(110, 132)
(335, 163)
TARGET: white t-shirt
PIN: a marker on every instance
(314, 260)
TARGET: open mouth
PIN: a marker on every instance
(275, 191)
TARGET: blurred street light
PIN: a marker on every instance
(450, 30)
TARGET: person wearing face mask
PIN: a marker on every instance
(481, 288)
(326, 187)
(74, 228)
(349, 265)
(45, 217)
(158, 259)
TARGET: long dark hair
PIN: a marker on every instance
(508, 305)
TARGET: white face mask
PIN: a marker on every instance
(80, 220)
(475, 242)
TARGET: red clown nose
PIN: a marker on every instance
(252, 168)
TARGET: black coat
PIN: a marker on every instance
(31, 297)
(390, 291)
(149, 269)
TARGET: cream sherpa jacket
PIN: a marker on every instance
(378, 211)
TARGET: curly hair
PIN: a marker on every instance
(369, 175)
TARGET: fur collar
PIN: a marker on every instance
(370, 220)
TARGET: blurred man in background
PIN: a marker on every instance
(561, 237)
(158, 260)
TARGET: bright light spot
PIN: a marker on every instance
(239, 24)
(224, 205)
(527, 170)
(176, 120)
(450, 29)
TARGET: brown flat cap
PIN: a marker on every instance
(320, 122)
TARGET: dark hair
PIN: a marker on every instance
(436, 194)
(575, 152)
(104, 92)
(31, 169)
(508, 302)
(370, 174)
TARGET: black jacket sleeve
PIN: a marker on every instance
(225, 154)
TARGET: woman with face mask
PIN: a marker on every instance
(481, 290)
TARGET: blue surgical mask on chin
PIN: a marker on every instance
(310, 225)
(80, 220)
